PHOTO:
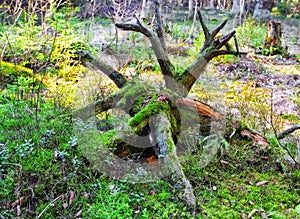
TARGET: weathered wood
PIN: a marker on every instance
(114, 75)
(210, 49)
(288, 131)
(274, 35)
(257, 138)
(166, 66)
(148, 108)
(202, 108)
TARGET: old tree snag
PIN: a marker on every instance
(273, 44)
(160, 117)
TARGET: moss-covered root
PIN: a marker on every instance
(163, 137)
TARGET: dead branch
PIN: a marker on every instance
(162, 57)
(210, 49)
(257, 138)
(288, 131)
(94, 108)
(114, 75)
(158, 25)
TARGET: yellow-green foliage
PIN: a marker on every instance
(10, 72)
(109, 138)
(247, 35)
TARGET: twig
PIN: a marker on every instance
(49, 206)
(282, 135)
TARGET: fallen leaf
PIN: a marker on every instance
(125, 152)
(265, 157)
(65, 205)
(223, 162)
(17, 202)
(85, 195)
(55, 154)
(252, 213)
(151, 159)
(261, 183)
(152, 192)
(18, 210)
(78, 213)
(71, 197)
(264, 215)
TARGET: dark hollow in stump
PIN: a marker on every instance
(273, 39)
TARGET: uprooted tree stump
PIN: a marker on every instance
(160, 118)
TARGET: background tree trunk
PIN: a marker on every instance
(262, 9)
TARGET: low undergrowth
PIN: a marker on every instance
(43, 173)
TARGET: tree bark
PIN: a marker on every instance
(262, 9)
(273, 39)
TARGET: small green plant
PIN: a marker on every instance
(24, 149)
(249, 36)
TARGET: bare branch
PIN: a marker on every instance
(223, 40)
(284, 133)
(236, 45)
(226, 52)
(211, 48)
(136, 27)
(162, 57)
(94, 108)
(204, 27)
(217, 30)
(114, 75)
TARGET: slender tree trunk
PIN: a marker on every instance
(191, 9)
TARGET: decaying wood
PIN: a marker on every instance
(288, 131)
(114, 75)
(202, 108)
(212, 47)
(274, 34)
(158, 25)
(166, 66)
(171, 158)
(256, 137)
(94, 108)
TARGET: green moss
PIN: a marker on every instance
(109, 138)
(138, 104)
(152, 108)
(10, 72)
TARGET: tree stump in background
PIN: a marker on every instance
(273, 39)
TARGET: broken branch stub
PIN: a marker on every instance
(210, 49)
(162, 57)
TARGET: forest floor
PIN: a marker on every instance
(44, 174)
